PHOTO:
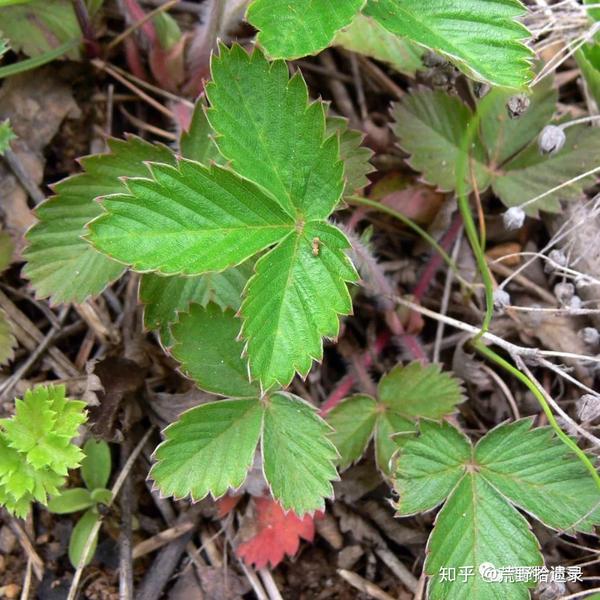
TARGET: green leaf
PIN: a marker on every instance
(69, 501)
(538, 473)
(35, 447)
(101, 496)
(188, 219)
(293, 300)
(207, 348)
(61, 264)
(4, 47)
(430, 126)
(366, 36)
(353, 421)
(291, 30)
(420, 391)
(8, 342)
(482, 38)
(96, 465)
(42, 427)
(529, 174)
(355, 156)
(297, 453)
(588, 60)
(475, 527)
(430, 465)
(79, 539)
(209, 450)
(6, 134)
(196, 143)
(163, 297)
(35, 27)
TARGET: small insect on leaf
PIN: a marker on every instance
(316, 243)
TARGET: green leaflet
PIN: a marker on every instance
(69, 501)
(288, 179)
(512, 465)
(291, 30)
(61, 264)
(206, 347)
(367, 36)
(431, 125)
(188, 219)
(405, 394)
(79, 537)
(298, 457)
(539, 474)
(36, 27)
(210, 449)
(196, 143)
(482, 38)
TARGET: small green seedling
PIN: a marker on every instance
(95, 471)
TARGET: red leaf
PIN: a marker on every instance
(226, 504)
(277, 533)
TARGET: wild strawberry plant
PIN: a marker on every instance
(243, 274)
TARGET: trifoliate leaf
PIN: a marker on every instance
(69, 501)
(6, 133)
(530, 174)
(367, 36)
(355, 156)
(430, 126)
(271, 134)
(163, 297)
(189, 219)
(405, 394)
(353, 421)
(96, 464)
(482, 38)
(420, 391)
(430, 466)
(209, 450)
(291, 30)
(61, 264)
(588, 60)
(539, 474)
(8, 342)
(477, 528)
(35, 27)
(79, 538)
(207, 348)
(196, 143)
(298, 455)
